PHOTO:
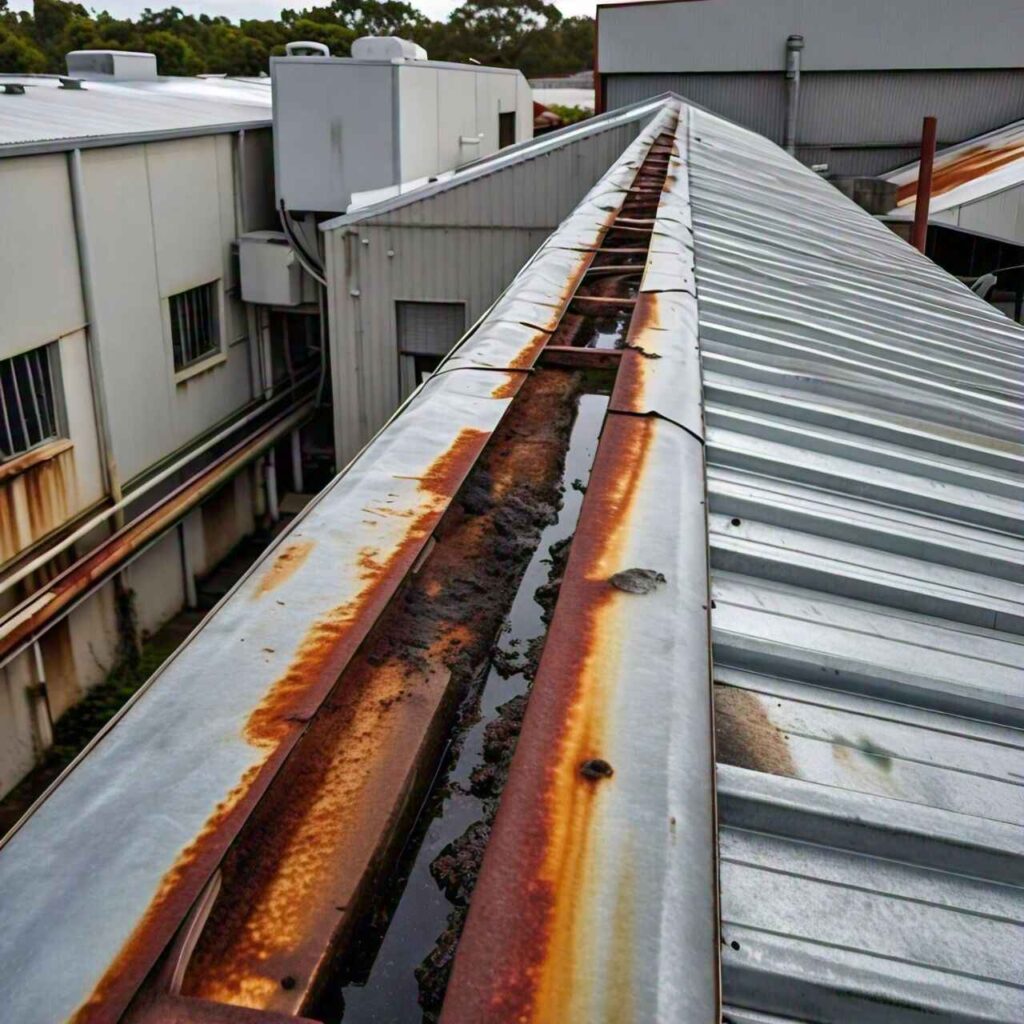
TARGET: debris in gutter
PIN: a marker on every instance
(637, 581)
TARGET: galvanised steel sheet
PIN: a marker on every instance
(865, 493)
(48, 118)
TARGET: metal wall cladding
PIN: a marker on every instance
(857, 122)
(1000, 215)
(865, 487)
(460, 241)
(735, 35)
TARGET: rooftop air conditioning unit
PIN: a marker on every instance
(389, 48)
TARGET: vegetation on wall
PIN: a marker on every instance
(530, 35)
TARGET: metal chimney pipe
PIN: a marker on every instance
(794, 44)
(919, 236)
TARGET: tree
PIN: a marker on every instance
(18, 54)
(530, 35)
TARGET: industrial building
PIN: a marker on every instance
(845, 85)
(162, 349)
(977, 185)
(712, 516)
(125, 355)
(975, 213)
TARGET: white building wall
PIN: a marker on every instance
(40, 297)
(162, 217)
(41, 303)
(1000, 215)
(463, 244)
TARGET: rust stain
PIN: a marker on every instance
(272, 729)
(170, 902)
(628, 394)
(969, 165)
(510, 388)
(331, 812)
(543, 854)
(39, 493)
(745, 735)
(284, 566)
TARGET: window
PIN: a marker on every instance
(506, 129)
(195, 325)
(427, 331)
(28, 404)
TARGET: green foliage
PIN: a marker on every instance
(570, 115)
(530, 35)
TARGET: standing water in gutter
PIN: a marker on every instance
(407, 952)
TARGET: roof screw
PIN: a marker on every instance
(288, 983)
(596, 768)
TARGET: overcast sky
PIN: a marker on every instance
(236, 9)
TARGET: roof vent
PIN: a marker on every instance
(117, 64)
(306, 48)
(69, 83)
(390, 48)
(12, 88)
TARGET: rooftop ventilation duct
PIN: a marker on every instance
(116, 64)
(306, 48)
(388, 48)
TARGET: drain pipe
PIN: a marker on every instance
(919, 236)
(92, 348)
(794, 44)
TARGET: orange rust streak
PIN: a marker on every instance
(542, 849)
(272, 729)
(509, 388)
(284, 566)
(366, 749)
(571, 803)
(971, 164)
(326, 825)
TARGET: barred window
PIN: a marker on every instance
(195, 327)
(28, 404)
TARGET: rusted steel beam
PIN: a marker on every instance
(577, 358)
(620, 269)
(604, 300)
(919, 236)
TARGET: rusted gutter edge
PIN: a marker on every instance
(601, 872)
(52, 603)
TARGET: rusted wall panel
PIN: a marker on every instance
(37, 500)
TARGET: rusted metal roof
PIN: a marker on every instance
(237, 697)
(963, 173)
(601, 881)
(810, 407)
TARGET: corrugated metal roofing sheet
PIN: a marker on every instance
(963, 173)
(864, 483)
(47, 117)
(861, 430)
